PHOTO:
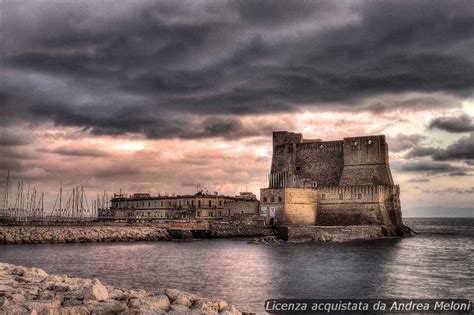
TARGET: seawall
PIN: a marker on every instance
(220, 230)
(330, 233)
(74, 234)
(32, 291)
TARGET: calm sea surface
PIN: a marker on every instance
(439, 262)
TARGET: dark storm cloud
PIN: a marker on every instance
(419, 180)
(463, 149)
(77, 152)
(420, 152)
(402, 142)
(429, 167)
(462, 123)
(140, 67)
(11, 138)
(451, 190)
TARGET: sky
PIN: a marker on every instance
(160, 96)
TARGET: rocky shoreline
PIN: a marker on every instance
(32, 291)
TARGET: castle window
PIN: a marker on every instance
(341, 196)
(272, 199)
(209, 203)
(359, 196)
(264, 199)
(323, 196)
(298, 168)
(279, 199)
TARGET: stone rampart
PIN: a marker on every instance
(330, 233)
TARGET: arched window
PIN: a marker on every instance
(279, 199)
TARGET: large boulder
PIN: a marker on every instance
(95, 292)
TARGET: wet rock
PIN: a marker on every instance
(265, 240)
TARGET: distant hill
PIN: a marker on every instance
(437, 211)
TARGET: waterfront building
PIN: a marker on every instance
(197, 206)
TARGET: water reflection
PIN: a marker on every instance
(429, 265)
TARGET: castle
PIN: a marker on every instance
(331, 183)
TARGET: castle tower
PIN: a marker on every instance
(366, 162)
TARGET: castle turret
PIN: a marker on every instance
(366, 162)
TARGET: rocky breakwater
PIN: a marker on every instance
(86, 233)
(33, 291)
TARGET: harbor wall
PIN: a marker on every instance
(76, 234)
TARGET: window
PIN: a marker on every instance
(242, 212)
(323, 196)
(149, 204)
(341, 196)
(359, 196)
(162, 203)
(210, 204)
(264, 199)
(220, 202)
(279, 199)
(272, 199)
(298, 168)
(199, 203)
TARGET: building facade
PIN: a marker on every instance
(198, 206)
(315, 182)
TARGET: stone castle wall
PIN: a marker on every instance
(352, 161)
(348, 181)
(300, 206)
(320, 161)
